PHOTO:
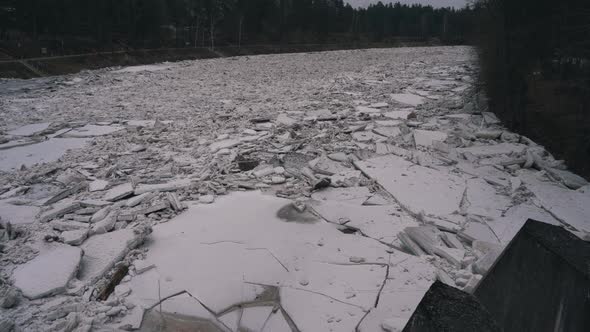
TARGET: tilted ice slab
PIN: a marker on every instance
(507, 227)
(427, 137)
(93, 131)
(101, 252)
(223, 254)
(568, 206)
(30, 129)
(482, 199)
(494, 150)
(44, 152)
(408, 99)
(17, 214)
(146, 68)
(415, 187)
(48, 273)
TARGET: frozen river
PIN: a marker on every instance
(293, 192)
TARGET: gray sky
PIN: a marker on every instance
(434, 3)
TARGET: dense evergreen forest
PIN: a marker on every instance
(190, 23)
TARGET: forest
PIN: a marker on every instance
(198, 23)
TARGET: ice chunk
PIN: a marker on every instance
(379, 105)
(285, 120)
(163, 187)
(49, 273)
(408, 99)
(75, 237)
(92, 131)
(119, 192)
(417, 188)
(483, 265)
(490, 118)
(17, 214)
(569, 206)
(482, 199)
(141, 68)
(402, 115)
(101, 252)
(382, 223)
(508, 226)
(353, 195)
(366, 136)
(367, 110)
(30, 129)
(44, 152)
(427, 138)
(59, 210)
(97, 185)
(388, 131)
(224, 144)
(494, 150)
(479, 231)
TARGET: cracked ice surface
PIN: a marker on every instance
(218, 253)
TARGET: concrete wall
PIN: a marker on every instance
(539, 284)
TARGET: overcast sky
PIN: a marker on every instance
(434, 3)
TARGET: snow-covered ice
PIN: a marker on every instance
(48, 273)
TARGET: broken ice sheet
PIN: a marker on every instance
(101, 252)
(254, 318)
(479, 230)
(240, 241)
(315, 312)
(17, 214)
(142, 68)
(507, 227)
(367, 110)
(356, 285)
(277, 323)
(30, 129)
(427, 138)
(181, 312)
(482, 199)
(92, 131)
(353, 195)
(48, 273)
(402, 115)
(367, 136)
(388, 131)
(494, 150)
(416, 188)
(44, 152)
(382, 223)
(569, 206)
(408, 99)
(404, 289)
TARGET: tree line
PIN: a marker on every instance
(153, 23)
